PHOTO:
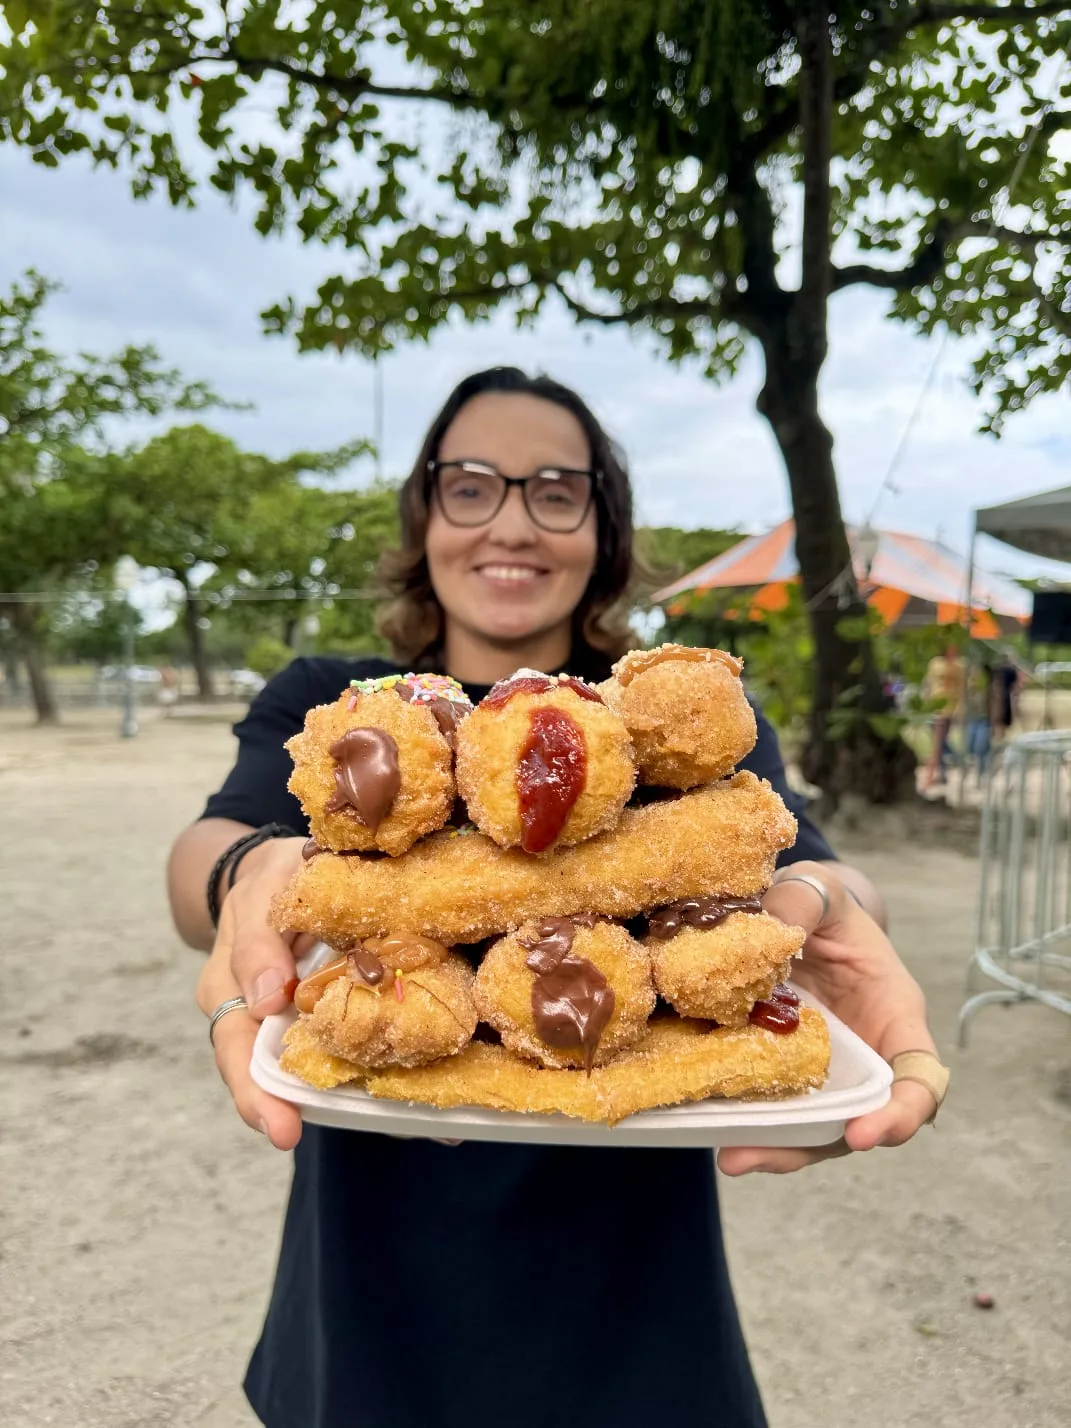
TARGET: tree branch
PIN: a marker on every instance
(877, 42)
(815, 90)
(713, 311)
(1012, 236)
(350, 86)
(934, 252)
(581, 311)
(1056, 316)
(926, 13)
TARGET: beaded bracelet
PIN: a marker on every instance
(232, 856)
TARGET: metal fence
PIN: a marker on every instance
(90, 687)
(1023, 943)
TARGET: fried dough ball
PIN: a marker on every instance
(719, 973)
(546, 768)
(462, 887)
(374, 770)
(506, 983)
(686, 711)
(410, 1018)
(676, 1061)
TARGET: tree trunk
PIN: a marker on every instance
(846, 753)
(12, 670)
(292, 627)
(191, 612)
(24, 625)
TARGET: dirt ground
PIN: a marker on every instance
(140, 1218)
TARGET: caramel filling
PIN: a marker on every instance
(370, 964)
(641, 663)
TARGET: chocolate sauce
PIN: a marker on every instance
(310, 849)
(698, 912)
(367, 778)
(571, 1006)
(571, 999)
(635, 664)
(363, 965)
(505, 689)
(780, 1013)
(447, 713)
(553, 943)
(551, 774)
(448, 716)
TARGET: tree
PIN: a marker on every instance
(667, 553)
(370, 527)
(192, 501)
(647, 163)
(311, 544)
(670, 552)
(52, 411)
(85, 624)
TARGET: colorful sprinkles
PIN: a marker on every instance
(426, 688)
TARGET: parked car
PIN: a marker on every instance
(246, 681)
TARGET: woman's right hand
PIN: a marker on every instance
(250, 959)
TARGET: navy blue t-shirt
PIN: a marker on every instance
(429, 1286)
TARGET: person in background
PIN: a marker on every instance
(980, 710)
(1007, 683)
(943, 686)
(168, 692)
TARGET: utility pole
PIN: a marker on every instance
(377, 414)
(126, 577)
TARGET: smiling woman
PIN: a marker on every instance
(419, 1283)
(516, 530)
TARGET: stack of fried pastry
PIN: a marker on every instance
(549, 902)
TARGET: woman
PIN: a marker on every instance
(980, 705)
(420, 1283)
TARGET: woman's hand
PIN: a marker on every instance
(251, 960)
(852, 968)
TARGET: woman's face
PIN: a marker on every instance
(509, 581)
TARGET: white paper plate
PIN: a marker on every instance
(858, 1082)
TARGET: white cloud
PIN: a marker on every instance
(193, 283)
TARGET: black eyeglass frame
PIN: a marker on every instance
(485, 468)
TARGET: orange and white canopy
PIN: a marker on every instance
(911, 580)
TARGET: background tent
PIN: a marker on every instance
(1038, 524)
(907, 579)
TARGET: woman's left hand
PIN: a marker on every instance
(851, 966)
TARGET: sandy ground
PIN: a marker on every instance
(140, 1218)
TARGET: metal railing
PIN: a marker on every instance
(1023, 936)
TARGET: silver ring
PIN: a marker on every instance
(812, 882)
(231, 1004)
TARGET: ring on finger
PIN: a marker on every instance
(816, 884)
(231, 1004)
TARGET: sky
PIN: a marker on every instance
(193, 284)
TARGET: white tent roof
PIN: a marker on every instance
(1039, 524)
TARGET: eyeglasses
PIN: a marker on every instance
(471, 493)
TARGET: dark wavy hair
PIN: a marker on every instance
(413, 620)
